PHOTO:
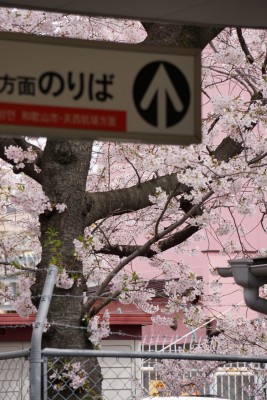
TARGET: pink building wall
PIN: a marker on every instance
(203, 264)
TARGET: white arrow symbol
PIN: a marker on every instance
(162, 86)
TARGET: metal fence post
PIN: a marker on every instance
(36, 341)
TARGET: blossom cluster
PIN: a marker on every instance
(161, 320)
(71, 374)
(60, 207)
(95, 266)
(20, 156)
(28, 197)
(6, 294)
(77, 26)
(64, 280)
(98, 328)
(23, 303)
(86, 244)
(159, 198)
(141, 298)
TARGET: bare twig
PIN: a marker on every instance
(244, 46)
(171, 195)
(135, 170)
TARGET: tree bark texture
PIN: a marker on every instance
(65, 166)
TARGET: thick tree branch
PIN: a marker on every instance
(29, 168)
(121, 201)
(163, 245)
(227, 149)
(264, 66)
(180, 35)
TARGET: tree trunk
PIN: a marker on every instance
(65, 166)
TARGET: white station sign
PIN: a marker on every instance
(68, 88)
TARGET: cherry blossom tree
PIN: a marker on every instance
(96, 210)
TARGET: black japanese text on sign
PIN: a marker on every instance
(80, 89)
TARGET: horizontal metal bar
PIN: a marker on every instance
(146, 354)
(14, 354)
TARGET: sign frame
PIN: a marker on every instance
(16, 130)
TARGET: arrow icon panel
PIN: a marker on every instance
(161, 94)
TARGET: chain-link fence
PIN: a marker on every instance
(14, 375)
(60, 374)
(110, 375)
(135, 375)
